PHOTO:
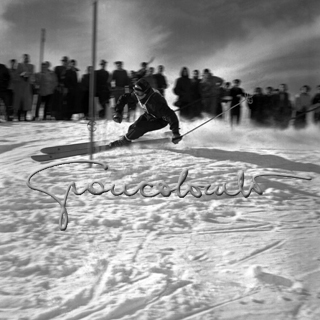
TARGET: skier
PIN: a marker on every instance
(157, 114)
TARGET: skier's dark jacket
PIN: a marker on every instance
(154, 104)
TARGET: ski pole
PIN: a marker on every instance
(247, 97)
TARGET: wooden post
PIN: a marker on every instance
(92, 78)
(42, 42)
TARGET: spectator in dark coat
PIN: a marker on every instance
(23, 92)
(85, 90)
(103, 88)
(60, 94)
(283, 107)
(120, 80)
(226, 98)
(161, 80)
(151, 78)
(196, 106)
(256, 107)
(4, 89)
(46, 81)
(210, 92)
(236, 94)
(72, 86)
(13, 82)
(301, 107)
(269, 101)
(143, 71)
(182, 89)
(316, 100)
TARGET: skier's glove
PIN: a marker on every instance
(117, 117)
(176, 138)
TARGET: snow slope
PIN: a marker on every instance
(214, 257)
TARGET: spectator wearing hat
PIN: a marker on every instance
(46, 81)
(72, 85)
(60, 71)
(210, 92)
(151, 79)
(143, 71)
(196, 106)
(23, 90)
(61, 91)
(301, 107)
(182, 89)
(316, 102)
(269, 109)
(103, 88)
(282, 108)
(13, 82)
(4, 85)
(120, 80)
(236, 94)
(256, 107)
(161, 80)
(85, 92)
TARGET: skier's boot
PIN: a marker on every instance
(120, 143)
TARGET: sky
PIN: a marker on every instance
(260, 42)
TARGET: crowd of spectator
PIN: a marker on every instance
(215, 97)
(62, 93)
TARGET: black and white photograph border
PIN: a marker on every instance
(223, 224)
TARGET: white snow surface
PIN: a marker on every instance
(170, 258)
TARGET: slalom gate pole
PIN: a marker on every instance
(247, 98)
(42, 43)
(92, 80)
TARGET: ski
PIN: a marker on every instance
(84, 151)
(82, 145)
(70, 147)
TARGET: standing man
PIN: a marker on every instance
(196, 106)
(72, 85)
(12, 84)
(23, 91)
(61, 90)
(316, 100)
(120, 81)
(103, 88)
(236, 93)
(210, 92)
(143, 71)
(161, 80)
(4, 91)
(46, 81)
(151, 78)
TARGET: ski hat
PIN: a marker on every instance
(142, 86)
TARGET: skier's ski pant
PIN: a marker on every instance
(145, 123)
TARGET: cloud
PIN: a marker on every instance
(128, 33)
(250, 39)
(64, 21)
(271, 55)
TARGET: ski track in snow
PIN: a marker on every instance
(163, 257)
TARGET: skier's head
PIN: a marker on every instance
(142, 88)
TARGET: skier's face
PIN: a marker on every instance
(140, 95)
